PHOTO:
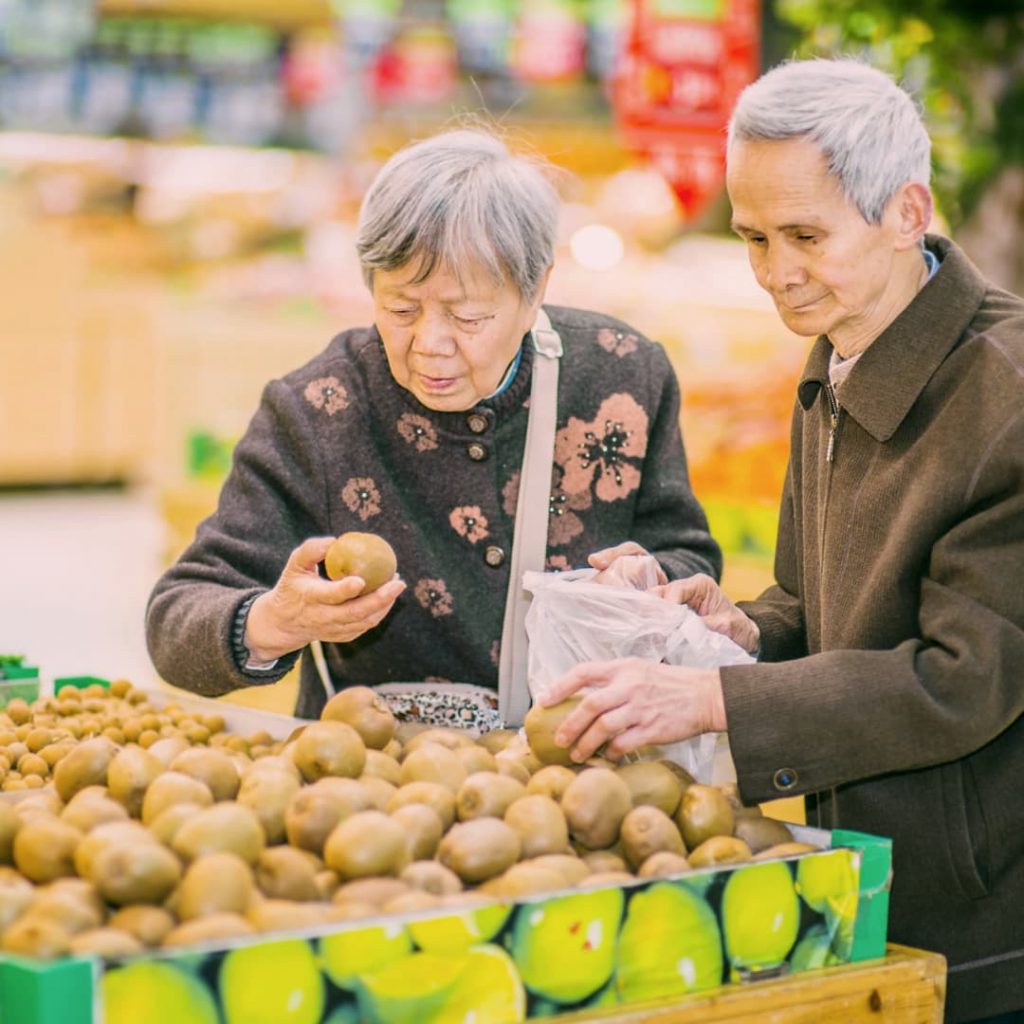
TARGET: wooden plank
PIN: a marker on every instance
(907, 985)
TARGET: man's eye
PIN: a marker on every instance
(402, 312)
(756, 239)
(472, 321)
(806, 238)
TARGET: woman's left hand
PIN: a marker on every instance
(633, 702)
(627, 565)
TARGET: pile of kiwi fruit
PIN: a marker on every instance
(152, 827)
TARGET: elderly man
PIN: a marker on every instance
(889, 685)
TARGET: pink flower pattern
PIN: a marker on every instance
(557, 563)
(495, 652)
(604, 454)
(417, 431)
(469, 522)
(618, 343)
(326, 393)
(434, 597)
(361, 496)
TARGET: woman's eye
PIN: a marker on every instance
(402, 312)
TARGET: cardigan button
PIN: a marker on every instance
(476, 451)
(476, 422)
(785, 779)
(494, 556)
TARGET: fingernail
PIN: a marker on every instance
(577, 757)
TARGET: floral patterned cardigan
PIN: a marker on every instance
(338, 445)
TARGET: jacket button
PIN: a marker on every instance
(494, 556)
(476, 422)
(785, 779)
(476, 451)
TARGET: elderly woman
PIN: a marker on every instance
(414, 429)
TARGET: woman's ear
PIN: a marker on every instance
(541, 289)
(914, 207)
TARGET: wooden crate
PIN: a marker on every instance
(907, 985)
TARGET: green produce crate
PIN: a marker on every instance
(499, 962)
(17, 679)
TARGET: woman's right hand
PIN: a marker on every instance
(707, 599)
(303, 606)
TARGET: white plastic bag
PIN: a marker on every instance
(572, 620)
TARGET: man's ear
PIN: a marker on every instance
(912, 207)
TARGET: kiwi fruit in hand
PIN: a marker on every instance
(365, 555)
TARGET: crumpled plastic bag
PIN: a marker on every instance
(573, 619)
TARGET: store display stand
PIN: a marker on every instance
(906, 986)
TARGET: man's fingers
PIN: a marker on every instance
(591, 708)
(603, 728)
(309, 554)
(587, 674)
(603, 558)
(626, 742)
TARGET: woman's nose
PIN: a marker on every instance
(433, 335)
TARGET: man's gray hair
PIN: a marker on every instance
(458, 197)
(868, 129)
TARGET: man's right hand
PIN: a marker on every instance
(303, 606)
(705, 597)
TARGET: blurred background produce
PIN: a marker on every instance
(178, 186)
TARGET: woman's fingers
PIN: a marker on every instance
(603, 558)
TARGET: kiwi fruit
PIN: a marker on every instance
(105, 942)
(603, 861)
(422, 827)
(365, 555)
(327, 883)
(487, 794)
(759, 832)
(73, 910)
(38, 937)
(542, 723)
(479, 849)
(441, 735)
(225, 826)
(329, 748)
(372, 892)
(719, 849)
(90, 807)
(379, 791)
(409, 902)
(703, 812)
(551, 780)
(432, 794)
(84, 765)
(278, 915)
(112, 833)
(476, 759)
(215, 883)
(268, 793)
(365, 711)
(382, 766)
(129, 775)
(44, 849)
(663, 864)
(150, 925)
(214, 927)
(496, 739)
(513, 767)
(604, 878)
(594, 804)
(283, 873)
(523, 879)
(212, 767)
(569, 866)
(367, 843)
(138, 872)
(16, 893)
(647, 830)
(430, 876)
(172, 788)
(431, 762)
(315, 811)
(785, 850)
(541, 825)
(652, 784)
(684, 777)
(168, 748)
(9, 825)
(165, 825)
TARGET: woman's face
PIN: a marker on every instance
(447, 342)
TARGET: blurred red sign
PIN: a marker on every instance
(684, 64)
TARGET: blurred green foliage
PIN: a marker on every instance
(963, 59)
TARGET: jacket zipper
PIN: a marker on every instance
(830, 457)
(833, 403)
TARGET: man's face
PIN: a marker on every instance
(827, 270)
(447, 342)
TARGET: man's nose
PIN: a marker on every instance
(784, 267)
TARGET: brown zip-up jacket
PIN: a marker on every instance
(891, 681)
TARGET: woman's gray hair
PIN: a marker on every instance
(458, 197)
(869, 130)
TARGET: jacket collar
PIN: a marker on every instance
(896, 367)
